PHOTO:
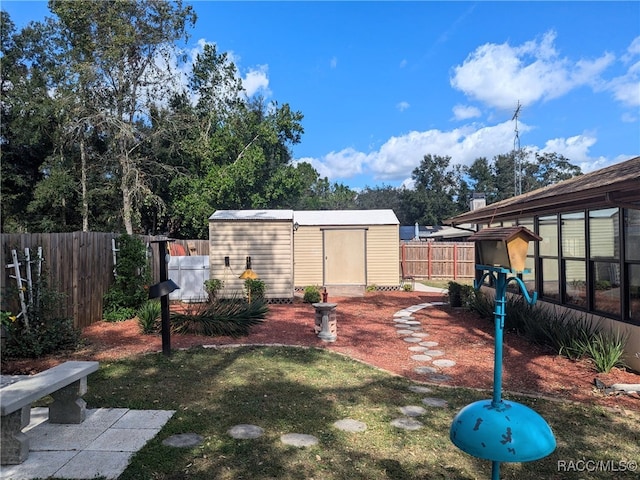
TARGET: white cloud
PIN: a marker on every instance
(398, 156)
(395, 160)
(628, 117)
(626, 88)
(501, 75)
(334, 62)
(256, 80)
(575, 148)
(465, 112)
(402, 106)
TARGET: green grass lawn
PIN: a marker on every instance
(296, 390)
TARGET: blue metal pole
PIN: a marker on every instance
(500, 312)
(500, 308)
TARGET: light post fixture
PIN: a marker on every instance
(162, 290)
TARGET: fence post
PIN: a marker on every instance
(455, 261)
(429, 260)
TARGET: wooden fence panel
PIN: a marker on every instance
(437, 260)
(79, 265)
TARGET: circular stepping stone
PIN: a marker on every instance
(422, 358)
(443, 363)
(404, 332)
(411, 339)
(416, 348)
(429, 344)
(183, 440)
(244, 431)
(434, 353)
(401, 320)
(403, 314)
(412, 322)
(298, 439)
(419, 389)
(412, 410)
(407, 423)
(425, 370)
(439, 377)
(413, 328)
(420, 334)
(350, 425)
(434, 402)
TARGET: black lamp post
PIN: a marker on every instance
(162, 290)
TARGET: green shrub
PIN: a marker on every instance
(407, 287)
(229, 317)
(46, 330)
(606, 350)
(213, 286)
(149, 316)
(254, 288)
(130, 288)
(371, 288)
(460, 295)
(311, 294)
(41, 338)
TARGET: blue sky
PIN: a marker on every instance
(381, 84)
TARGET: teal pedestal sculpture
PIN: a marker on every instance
(498, 430)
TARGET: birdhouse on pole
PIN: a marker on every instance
(504, 247)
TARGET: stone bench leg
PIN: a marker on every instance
(14, 445)
(68, 405)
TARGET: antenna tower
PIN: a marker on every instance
(517, 155)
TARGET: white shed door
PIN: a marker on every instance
(344, 257)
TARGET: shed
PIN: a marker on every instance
(340, 248)
(266, 236)
(293, 249)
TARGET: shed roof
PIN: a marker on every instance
(252, 215)
(345, 217)
(614, 186)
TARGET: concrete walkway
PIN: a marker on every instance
(101, 446)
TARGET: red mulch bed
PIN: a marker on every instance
(366, 332)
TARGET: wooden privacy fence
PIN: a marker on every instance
(78, 265)
(432, 260)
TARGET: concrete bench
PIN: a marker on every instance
(66, 383)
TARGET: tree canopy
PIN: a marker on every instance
(101, 131)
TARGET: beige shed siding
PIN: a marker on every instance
(268, 243)
(383, 245)
(308, 259)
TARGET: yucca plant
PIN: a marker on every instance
(231, 317)
(148, 316)
(606, 350)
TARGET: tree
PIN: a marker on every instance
(126, 47)
(27, 124)
(482, 179)
(553, 168)
(435, 189)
